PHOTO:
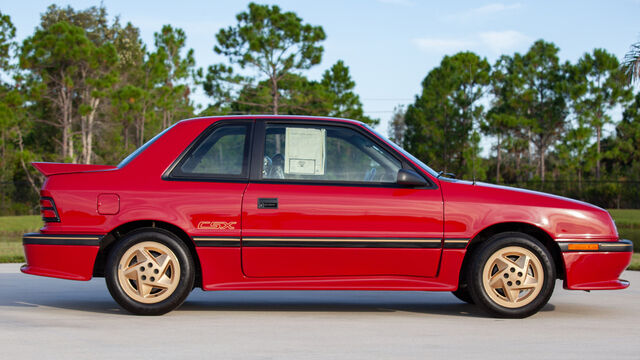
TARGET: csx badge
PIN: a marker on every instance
(217, 225)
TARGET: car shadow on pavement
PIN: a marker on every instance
(336, 301)
(94, 297)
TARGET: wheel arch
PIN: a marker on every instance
(538, 233)
(109, 240)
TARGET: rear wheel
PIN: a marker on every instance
(511, 275)
(150, 272)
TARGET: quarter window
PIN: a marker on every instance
(325, 153)
(221, 154)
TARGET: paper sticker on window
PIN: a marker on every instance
(304, 151)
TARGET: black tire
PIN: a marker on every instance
(501, 293)
(462, 293)
(171, 263)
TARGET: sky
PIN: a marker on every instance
(389, 45)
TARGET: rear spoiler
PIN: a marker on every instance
(49, 168)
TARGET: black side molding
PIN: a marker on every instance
(587, 246)
(58, 239)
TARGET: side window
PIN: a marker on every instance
(221, 154)
(325, 153)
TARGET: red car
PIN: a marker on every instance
(305, 203)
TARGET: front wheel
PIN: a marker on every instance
(511, 275)
(462, 293)
(150, 272)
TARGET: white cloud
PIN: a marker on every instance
(441, 45)
(487, 43)
(502, 41)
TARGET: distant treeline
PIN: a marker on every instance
(83, 88)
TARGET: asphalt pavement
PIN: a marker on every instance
(44, 318)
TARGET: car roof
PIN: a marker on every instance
(279, 117)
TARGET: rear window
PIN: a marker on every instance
(142, 148)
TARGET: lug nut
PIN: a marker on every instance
(509, 283)
(513, 269)
(155, 271)
(144, 277)
(506, 276)
(519, 273)
(150, 265)
(153, 279)
(518, 282)
(141, 268)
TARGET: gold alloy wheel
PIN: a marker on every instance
(149, 272)
(513, 276)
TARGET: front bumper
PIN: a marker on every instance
(60, 255)
(595, 265)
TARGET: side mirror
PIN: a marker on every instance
(409, 177)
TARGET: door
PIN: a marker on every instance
(207, 182)
(326, 203)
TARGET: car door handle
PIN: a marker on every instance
(267, 203)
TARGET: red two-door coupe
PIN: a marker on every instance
(305, 203)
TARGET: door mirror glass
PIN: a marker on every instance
(409, 177)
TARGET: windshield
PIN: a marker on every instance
(404, 152)
(142, 148)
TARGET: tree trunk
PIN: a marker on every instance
(580, 179)
(275, 95)
(34, 186)
(498, 159)
(598, 136)
(87, 126)
(542, 165)
(518, 159)
(141, 127)
(66, 107)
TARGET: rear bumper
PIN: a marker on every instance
(596, 266)
(61, 256)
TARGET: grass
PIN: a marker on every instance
(628, 224)
(19, 224)
(626, 219)
(12, 228)
(635, 262)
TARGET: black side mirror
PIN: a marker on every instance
(409, 177)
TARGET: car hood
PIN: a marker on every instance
(478, 205)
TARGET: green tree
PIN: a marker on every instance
(10, 106)
(631, 64)
(266, 41)
(504, 119)
(397, 126)
(442, 124)
(543, 97)
(7, 41)
(299, 96)
(173, 94)
(599, 88)
(72, 64)
(624, 150)
(130, 96)
(73, 74)
(573, 151)
(51, 56)
(345, 102)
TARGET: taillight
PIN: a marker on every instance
(48, 210)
